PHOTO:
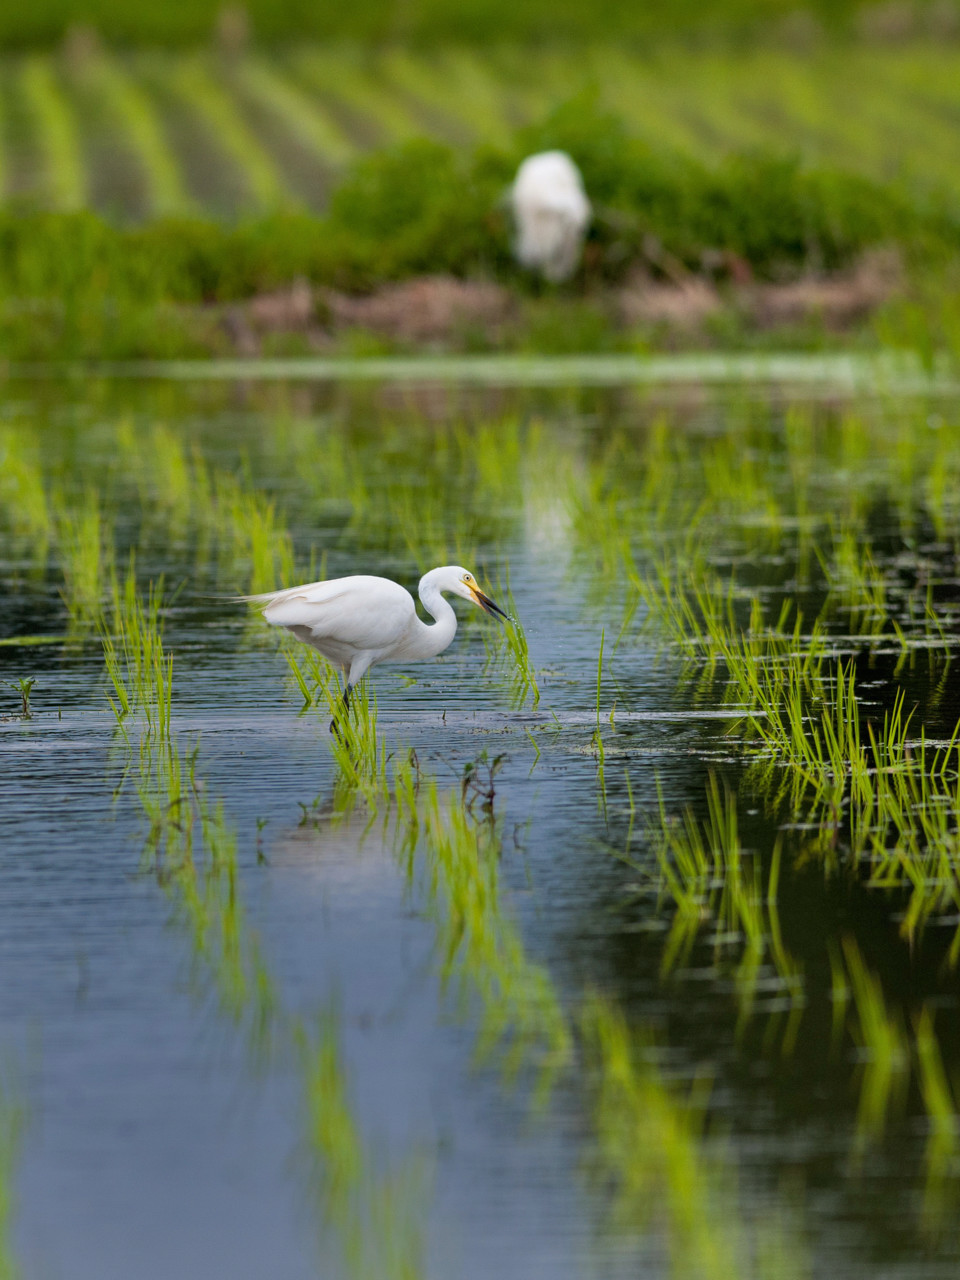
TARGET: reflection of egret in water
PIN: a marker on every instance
(446, 848)
(195, 857)
(358, 621)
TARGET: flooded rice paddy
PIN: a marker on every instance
(621, 940)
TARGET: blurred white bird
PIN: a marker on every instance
(358, 621)
(551, 213)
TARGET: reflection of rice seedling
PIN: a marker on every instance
(940, 1105)
(479, 945)
(193, 853)
(711, 880)
(650, 1144)
(880, 1038)
(378, 1216)
(12, 1119)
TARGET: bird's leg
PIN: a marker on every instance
(342, 711)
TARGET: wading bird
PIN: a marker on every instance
(551, 213)
(358, 621)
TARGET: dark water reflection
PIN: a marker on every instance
(160, 1144)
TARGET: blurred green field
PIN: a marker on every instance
(141, 134)
(429, 22)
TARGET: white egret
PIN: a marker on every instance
(358, 621)
(551, 213)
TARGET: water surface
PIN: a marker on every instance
(163, 1136)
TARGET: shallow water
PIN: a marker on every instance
(162, 1136)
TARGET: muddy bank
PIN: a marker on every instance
(443, 313)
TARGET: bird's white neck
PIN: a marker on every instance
(431, 640)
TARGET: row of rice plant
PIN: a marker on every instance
(688, 518)
(457, 848)
(771, 531)
(218, 134)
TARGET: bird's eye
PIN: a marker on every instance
(467, 577)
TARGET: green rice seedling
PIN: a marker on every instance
(252, 539)
(65, 180)
(598, 735)
(902, 805)
(503, 463)
(24, 687)
(777, 674)
(476, 104)
(772, 672)
(306, 671)
(880, 1038)
(194, 81)
(358, 751)
(508, 651)
(168, 481)
(651, 1148)
(360, 754)
(85, 556)
(525, 676)
(857, 586)
(343, 77)
(140, 672)
(902, 821)
(737, 484)
(597, 520)
(670, 608)
(299, 112)
(23, 497)
(131, 106)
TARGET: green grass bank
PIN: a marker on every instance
(725, 250)
(180, 22)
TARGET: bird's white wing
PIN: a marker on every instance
(361, 611)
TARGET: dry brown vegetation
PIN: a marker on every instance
(443, 312)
